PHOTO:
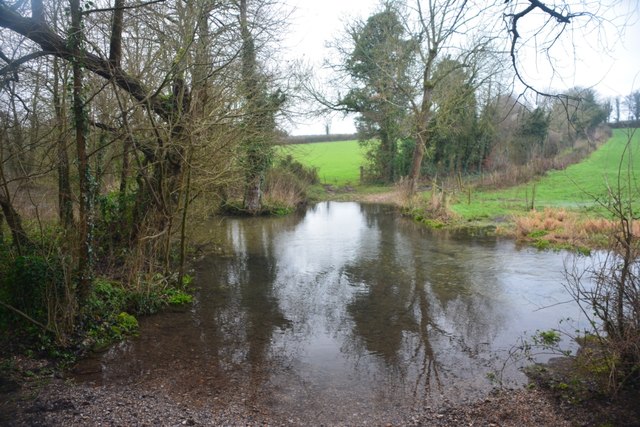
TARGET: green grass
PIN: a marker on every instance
(575, 188)
(338, 163)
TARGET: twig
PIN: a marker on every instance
(26, 316)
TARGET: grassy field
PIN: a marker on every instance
(338, 163)
(574, 188)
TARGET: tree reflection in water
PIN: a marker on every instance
(348, 310)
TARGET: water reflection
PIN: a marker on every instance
(344, 311)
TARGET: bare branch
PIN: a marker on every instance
(512, 20)
(115, 44)
(37, 10)
(13, 66)
(121, 7)
(58, 46)
(26, 316)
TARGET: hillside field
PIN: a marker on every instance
(575, 188)
(338, 163)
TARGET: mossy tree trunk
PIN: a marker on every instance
(80, 122)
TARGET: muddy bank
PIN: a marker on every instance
(60, 402)
(36, 393)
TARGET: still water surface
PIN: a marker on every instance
(345, 311)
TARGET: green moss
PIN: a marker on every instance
(187, 280)
(109, 314)
(432, 223)
(583, 250)
(280, 210)
(126, 324)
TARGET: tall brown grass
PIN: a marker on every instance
(283, 189)
(558, 226)
(434, 205)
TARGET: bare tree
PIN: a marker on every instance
(632, 102)
(440, 24)
(154, 96)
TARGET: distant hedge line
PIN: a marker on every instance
(306, 139)
(625, 124)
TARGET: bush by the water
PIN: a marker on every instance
(36, 313)
(285, 188)
(286, 185)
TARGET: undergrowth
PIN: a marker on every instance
(286, 188)
(35, 295)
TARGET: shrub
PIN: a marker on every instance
(106, 299)
(104, 317)
(309, 175)
(284, 191)
(178, 297)
(113, 225)
(125, 324)
(27, 283)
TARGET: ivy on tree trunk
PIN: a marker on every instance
(85, 270)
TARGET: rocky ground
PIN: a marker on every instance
(36, 395)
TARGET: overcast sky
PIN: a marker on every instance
(606, 56)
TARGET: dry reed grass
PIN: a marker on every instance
(561, 227)
(283, 189)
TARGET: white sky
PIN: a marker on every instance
(606, 57)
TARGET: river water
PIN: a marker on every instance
(344, 312)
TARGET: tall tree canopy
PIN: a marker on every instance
(379, 64)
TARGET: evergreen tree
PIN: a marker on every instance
(379, 67)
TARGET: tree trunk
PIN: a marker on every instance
(253, 194)
(423, 116)
(183, 224)
(422, 129)
(124, 177)
(81, 130)
(115, 43)
(20, 239)
(389, 152)
(11, 216)
(255, 165)
(65, 203)
(416, 163)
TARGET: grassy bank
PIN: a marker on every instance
(580, 188)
